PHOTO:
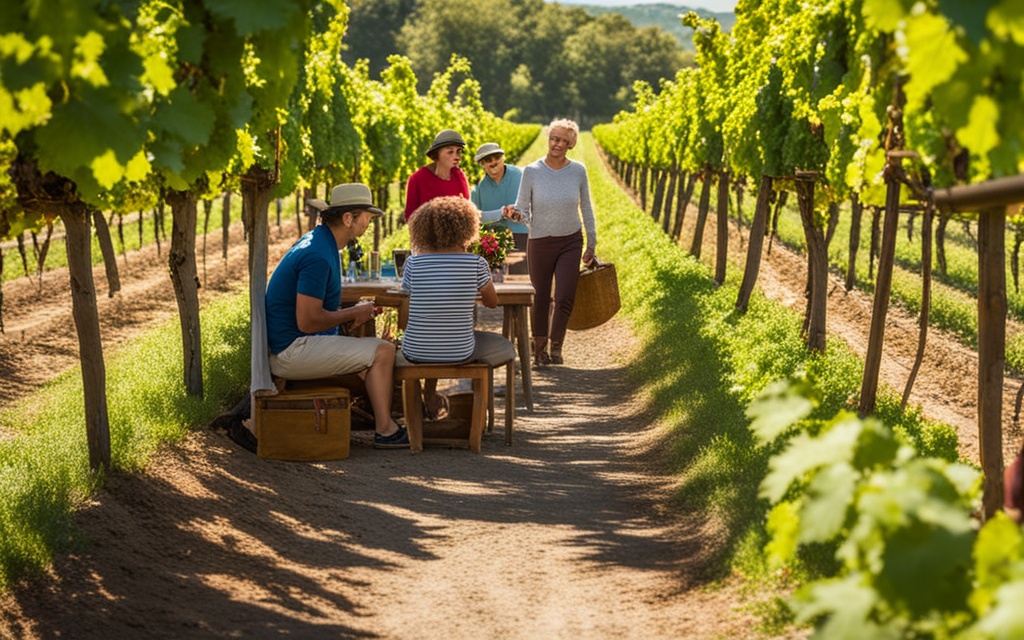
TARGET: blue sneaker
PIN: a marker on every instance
(397, 440)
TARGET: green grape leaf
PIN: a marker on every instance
(159, 74)
(23, 108)
(1006, 618)
(806, 453)
(106, 169)
(964, 478)
(1006, 20)
(783, 525)
(86, 65)
(250, 17)
(829, 496)
(884, 15)
(876, 446)
(185, 117)
(933, 56)
(81, 130)
(137, 168)
(980, 134)
(190, 39)
(167, 155)
(969, 16)
(781, 404)
(999, 546)
(847, 604)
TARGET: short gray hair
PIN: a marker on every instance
(567, 124)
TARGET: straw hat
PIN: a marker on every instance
(353, 195)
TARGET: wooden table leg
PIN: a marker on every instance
(523, 339)
(510, 399)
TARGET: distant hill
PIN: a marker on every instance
(662, 15)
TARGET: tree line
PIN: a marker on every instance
(534, 60)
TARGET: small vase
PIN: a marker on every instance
(497, 274)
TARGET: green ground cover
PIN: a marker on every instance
(954, 305)
(44, 468)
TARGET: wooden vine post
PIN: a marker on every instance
(181, 260)
(991, 351)
(666, 215)
(883, 288)
(991, 198)
(702, 214)
(886, 256)
(926, 298)
(682, 202)
(757, 233)
(817, 264)
(107, 249)
(78, 242)
(52, 195)
(856, 213)
(722, 220)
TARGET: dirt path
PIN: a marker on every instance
(563, 535)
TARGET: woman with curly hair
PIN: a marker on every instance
(444, 280)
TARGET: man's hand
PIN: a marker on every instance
(588, 257)
(364, 312)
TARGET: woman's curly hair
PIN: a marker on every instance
(443, 224)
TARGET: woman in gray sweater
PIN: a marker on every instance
(554, 201)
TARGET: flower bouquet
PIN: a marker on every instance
(494, 244)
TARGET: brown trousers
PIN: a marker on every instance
(555, 258)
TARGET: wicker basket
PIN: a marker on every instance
(597, 297)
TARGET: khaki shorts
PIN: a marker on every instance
(311, 357)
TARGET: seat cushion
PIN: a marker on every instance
(492, 349)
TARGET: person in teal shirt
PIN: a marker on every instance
(498, 188)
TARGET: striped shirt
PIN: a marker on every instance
(442, 295)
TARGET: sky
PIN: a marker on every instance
(710, 5)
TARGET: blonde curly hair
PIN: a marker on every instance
(444, 224)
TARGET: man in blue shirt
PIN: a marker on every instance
(499, 187)
(304, 311)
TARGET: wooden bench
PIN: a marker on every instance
(411, 376)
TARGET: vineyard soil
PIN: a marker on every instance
(568, 533)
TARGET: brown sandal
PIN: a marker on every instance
(440, 412)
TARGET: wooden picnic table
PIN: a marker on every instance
(515, 296)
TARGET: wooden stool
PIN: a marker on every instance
(412, 398)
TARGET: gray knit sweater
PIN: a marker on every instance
(553, 199)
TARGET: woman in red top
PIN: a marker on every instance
(442, 177)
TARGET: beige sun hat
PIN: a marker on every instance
(352, 195)
(487, 149)
(446, 138)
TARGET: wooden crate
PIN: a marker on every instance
(303, 424)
